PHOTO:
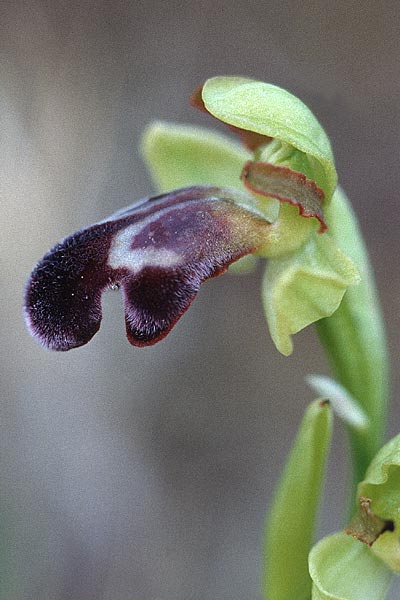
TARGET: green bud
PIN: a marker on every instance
(377, 518)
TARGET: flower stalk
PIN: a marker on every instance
(354, 339)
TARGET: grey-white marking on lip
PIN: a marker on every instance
(121, 254)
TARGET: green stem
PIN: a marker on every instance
(354, 338)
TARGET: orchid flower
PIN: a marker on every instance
(159, 250)
(275, 197)
(317, 249)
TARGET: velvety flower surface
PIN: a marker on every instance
(158, 251)
(239, 201)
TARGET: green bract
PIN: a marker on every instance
(289, 179)
(291, 521)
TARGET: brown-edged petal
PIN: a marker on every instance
(158, 251)
(287, 186)
(250, 139)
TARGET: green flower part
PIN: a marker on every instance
(265, 109)
(292, 515)
(377, 518)
(360, 565)
(343, 569)
(304, 287)
(287, 166)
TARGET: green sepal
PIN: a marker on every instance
(343, 569)
(182, 155)
(291, 521)
(303, 287)
(381, 488)
(269, 110)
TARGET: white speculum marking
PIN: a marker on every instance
(121, 254)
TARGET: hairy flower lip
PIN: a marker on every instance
(158, 251)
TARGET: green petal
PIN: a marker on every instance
(181, 155)
(343, 569)
(291, 521)
(381, 487)
(274, 112)
(304, 287)
(285, 185)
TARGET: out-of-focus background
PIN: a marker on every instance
(131, 474)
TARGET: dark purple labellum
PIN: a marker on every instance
(158, 251)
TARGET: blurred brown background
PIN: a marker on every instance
(145, 474)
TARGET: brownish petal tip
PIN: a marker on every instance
(286, 185)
